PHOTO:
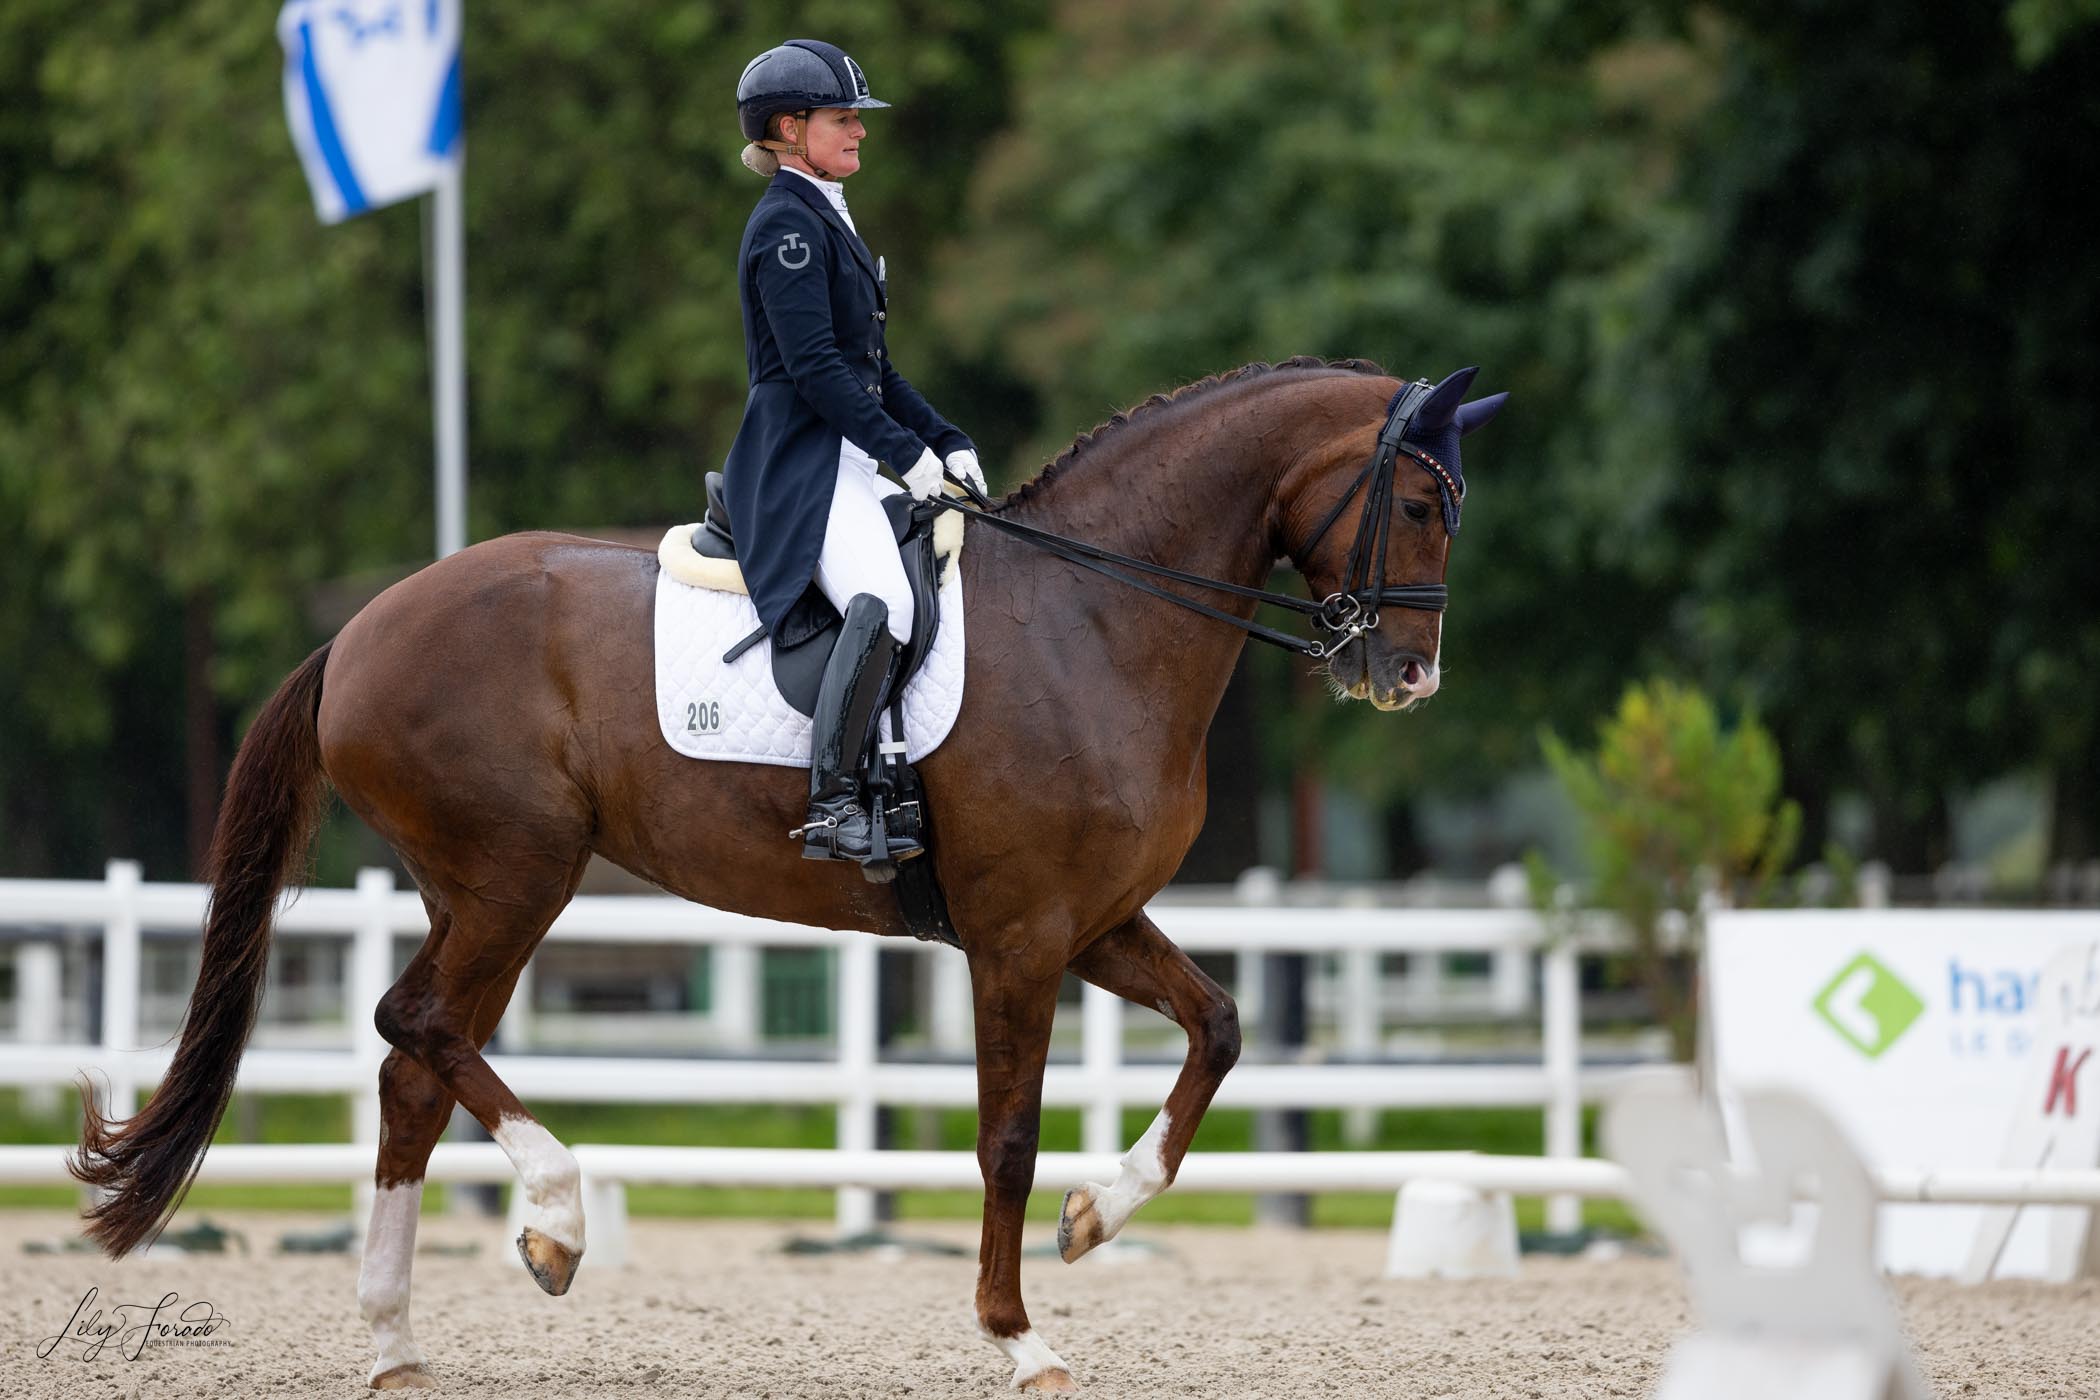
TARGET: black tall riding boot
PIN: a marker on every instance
(849, 706)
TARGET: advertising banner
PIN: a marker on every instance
(1917, 1030)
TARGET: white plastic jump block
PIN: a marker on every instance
(1444, 1230)
(1822, 1328)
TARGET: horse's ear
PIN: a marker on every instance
(1443, 400)
(1479, 413)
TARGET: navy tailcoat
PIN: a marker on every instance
(814, 316)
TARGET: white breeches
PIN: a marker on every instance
(860, 553)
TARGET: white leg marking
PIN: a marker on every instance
(382, 1279)
(1030, 1354)
(1141, 1175)
(553, 1185)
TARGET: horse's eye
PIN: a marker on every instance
(1416, 511)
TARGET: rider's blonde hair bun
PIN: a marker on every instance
(761, 161)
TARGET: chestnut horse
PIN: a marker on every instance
(493, 718)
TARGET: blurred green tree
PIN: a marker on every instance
(1873, 355)
(1188, 186)
(1675, 808)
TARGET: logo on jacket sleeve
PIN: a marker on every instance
(791, 244)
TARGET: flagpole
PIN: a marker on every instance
(445, 257)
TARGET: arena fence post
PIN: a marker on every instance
(1101, 1056)
(1562, 1033)
(371, 971)
(120, 985)
(856, 1057)
(954, 1029)
(39, 1011)
(1361, 994)
(735, 997)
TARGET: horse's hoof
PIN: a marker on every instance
(553, 1265)
(1051, 1378)
(411, 1376)
(1078, 1225)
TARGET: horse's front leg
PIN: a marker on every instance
(1013, 1015)
(1138, 963)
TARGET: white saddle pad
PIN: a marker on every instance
(708, 708)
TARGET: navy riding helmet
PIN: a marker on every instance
(801, 74)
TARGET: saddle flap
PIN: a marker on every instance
(802, 647)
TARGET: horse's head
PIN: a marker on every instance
(1331, 507)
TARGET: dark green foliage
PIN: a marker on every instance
(1793, 300)
(1872, 352)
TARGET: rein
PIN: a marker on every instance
(1347, 614)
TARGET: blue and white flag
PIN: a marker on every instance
(371, 89)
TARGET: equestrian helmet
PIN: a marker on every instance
(798, 75)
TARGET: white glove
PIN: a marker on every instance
(924, 478)
(963, 466)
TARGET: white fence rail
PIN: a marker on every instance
(856, 1080)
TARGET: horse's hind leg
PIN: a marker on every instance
(1138, 963)
(429, 1015)
(413, 1111)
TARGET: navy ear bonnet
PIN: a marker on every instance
(1425, 422)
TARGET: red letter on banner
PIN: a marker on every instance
(2063, 1081)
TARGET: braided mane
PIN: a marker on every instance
(1195, 389)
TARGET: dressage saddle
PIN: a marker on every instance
(811, 628)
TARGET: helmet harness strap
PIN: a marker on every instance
(788, 148)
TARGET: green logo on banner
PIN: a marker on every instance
(1868, 1005)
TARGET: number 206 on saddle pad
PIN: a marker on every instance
(732, 710)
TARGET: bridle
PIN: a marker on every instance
(1347, 614)
(1354, 611)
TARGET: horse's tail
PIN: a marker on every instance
(146, 1163)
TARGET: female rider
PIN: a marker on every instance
(824, 405)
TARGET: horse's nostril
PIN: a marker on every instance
(1413, 673)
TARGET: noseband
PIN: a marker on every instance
(1347, 615)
